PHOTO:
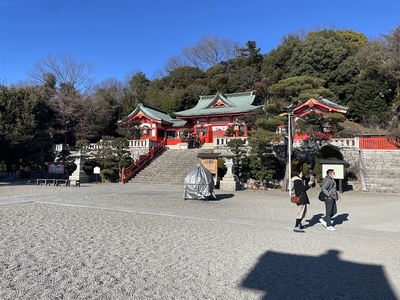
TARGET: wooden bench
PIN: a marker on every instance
(57, 182)
(65, 182)
(45, 181)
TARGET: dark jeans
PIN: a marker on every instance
(330, 211)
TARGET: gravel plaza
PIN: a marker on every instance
(113, 241)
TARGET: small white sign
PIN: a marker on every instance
(96, 170)
(339, 170)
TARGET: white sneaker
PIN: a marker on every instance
(298, 229)
(322, 222)
(330, 228)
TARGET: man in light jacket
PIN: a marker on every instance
(331, 196)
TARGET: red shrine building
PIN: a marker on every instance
(318, 106)
(210, 118)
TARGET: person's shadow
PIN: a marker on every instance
(292, 276)
(337, 220)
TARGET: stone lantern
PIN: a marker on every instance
(228, 182)
(79, 175)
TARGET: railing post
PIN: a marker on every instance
(122, 179)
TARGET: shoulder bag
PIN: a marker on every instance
(295, 199)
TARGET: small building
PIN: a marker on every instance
(157, 125)
(318, 106)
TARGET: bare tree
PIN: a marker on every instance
(175, 62)
(207, 53)
(210, 51)
(66, 69)
(114, 87)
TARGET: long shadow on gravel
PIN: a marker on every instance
(291, 276)
(224, 196)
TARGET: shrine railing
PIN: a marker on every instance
(142, 161)
(377, 143)
(222, 141)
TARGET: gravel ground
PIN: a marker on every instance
(112, 241)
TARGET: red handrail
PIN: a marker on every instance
(143, 160)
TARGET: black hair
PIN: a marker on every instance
(329, 171)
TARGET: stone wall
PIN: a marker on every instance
(352, 156)
(381, 170)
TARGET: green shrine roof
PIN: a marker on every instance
(332, 104)
(156, 114)
(222, 104)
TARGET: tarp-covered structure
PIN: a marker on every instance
(199, 184)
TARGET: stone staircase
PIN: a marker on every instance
(381, 170)
(170, 167)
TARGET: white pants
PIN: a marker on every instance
(302, 211)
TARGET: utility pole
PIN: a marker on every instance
(289, 151)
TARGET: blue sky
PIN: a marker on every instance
(119, 37)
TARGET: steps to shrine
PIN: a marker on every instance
(171, 167)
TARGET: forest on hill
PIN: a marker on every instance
(62, 103)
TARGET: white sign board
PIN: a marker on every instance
(339, 170)
(96, 170)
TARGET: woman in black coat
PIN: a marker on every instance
(300, 189)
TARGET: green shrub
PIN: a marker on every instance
(108, 175)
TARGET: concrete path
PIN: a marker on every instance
(112, 241)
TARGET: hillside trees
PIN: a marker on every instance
(80, 116)
(318, 56)
(328, 55)
(353, 70)
(392, 54)
(250, 56)
(25, 118)
(299, 88)
(95, 117)
(392, 59)
(179, 90)
(274, 65)
(217, 78)
(117, 95)
(138, 85)
(353, 40)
